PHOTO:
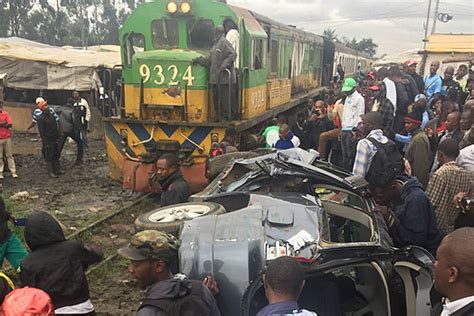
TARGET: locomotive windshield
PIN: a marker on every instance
(165, 33)
(200, 33)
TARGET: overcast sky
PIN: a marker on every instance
(395, 25)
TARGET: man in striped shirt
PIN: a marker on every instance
(446, 182)
(50, 130)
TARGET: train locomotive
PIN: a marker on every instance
(167, 103)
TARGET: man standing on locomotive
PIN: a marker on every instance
(221, 74)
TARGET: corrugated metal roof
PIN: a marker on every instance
(446, 43)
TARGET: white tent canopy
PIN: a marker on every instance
(397, 59)
(32, 65)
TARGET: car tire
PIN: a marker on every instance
(217, 164)
(170, 218)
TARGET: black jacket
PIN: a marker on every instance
(420, 83)
(415, 222)
(55, 265)
(467, 310)
(175, 190)
(166, 291)
(314, 129)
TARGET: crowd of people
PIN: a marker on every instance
(411, 138)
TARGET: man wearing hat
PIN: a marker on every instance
(50, 130)
(153, 256)
(418, 152)
(354, 107)
(384, 106)
(410, 69)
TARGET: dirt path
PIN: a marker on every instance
(78, 198)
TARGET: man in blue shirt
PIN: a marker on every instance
(433, 82)
(287, 139)
(283, 282)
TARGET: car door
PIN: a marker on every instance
(414, 266)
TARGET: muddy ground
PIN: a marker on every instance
(78, 198)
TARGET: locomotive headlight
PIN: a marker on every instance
(185, 7)
(171, 7)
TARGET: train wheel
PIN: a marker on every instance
(170, 218)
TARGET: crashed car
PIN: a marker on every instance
(347, 271)
(290, 203)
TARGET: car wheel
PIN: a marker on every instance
(169, 218)
(217, 164)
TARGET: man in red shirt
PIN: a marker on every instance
(6, 142)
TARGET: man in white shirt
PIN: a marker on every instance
(454, 274)
(78, 101)
(354, 107)
(391, 90)
(232, 35)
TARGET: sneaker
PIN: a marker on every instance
(14, 175)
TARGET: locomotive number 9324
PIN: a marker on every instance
(165, 75)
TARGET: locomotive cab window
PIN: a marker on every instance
(200, 33)
(134, 42)
(164, 33)
(258, 54)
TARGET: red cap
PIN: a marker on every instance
(372, 75)
(375, 87)
(410, 62)
(27, 301)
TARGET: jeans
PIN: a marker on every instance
(348, 150)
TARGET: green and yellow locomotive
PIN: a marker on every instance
(167, 101)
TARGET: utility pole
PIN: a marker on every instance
(427, 25)
(435, 17)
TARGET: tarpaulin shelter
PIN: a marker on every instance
(32, 65)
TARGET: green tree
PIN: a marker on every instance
(331, 34)
(367, 45)
(16, 13)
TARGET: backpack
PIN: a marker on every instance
(386, 164)
(192, 304)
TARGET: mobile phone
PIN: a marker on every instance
(20, 221)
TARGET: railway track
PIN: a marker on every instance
(112, 231)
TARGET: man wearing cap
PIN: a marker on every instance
(433, 81)
(354, 107)
(382, 104)
(418, 152)
(411, 70)
(50, 130)
(420, 106)
(153, 256)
